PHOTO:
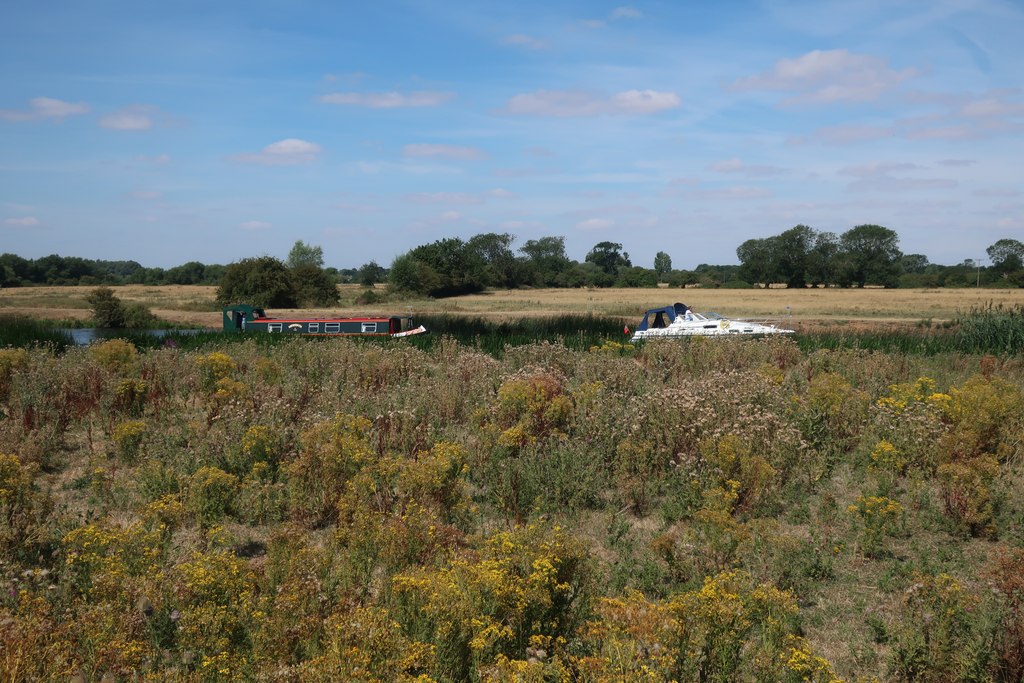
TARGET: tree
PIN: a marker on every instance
(459, 268)
(914, 263)
(191, 273)
(546, 260)
(303, 254)
(608, 256)
(792, 254)
(823, 261)
(371, 273)
(107, 309)
(500, 266)
(1007, 256)
(662, 265)
(407, 274)
(263, 281)
(871, 255)
(757, 261)
(313, 286)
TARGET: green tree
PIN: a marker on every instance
(609, 257)
(313, 286)
(823, 261)
(371, 273)
(1007, 256)
(546, 261)
(263, 281)
(662, 265)
(107, 309)
(758, 262)
(792, 254)
(501, 269)
(871, 255)
(191, 273)
(303, 254)
(914, 263)
(447, 267)
(409, 275)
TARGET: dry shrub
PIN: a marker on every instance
(939, 636)
(115, 355)
(969, 493)
(22, 509)
(11, 361)
(366, 645)
(729, 629)
(332, 452)
(1006, 577)
(524, 588)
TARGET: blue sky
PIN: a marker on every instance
(212, 131)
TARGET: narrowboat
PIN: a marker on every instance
(246, 318)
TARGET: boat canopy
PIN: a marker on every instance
(234, 316)
(656, 318)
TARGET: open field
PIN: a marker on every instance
(815, 307)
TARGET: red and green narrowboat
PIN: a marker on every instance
(246, 318)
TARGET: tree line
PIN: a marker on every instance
(866, 255)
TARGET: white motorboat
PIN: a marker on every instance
(680, 321)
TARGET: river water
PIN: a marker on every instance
(83, 336)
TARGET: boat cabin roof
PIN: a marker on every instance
(656, 318)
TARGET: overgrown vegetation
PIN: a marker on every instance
(719, 510)
(110, 312)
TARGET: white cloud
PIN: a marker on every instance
(879, 177)
(255, 225)
(578, 103)
(595, 224)
(25, 222)
(826, 76)
(736, 165)
(525, 41)
(644, 101)
(501, 193)
(158, 160)
(593, 23)
(727, 166)
(845, 135)
(135, 117)
(443, 198)
(626, 12)
(45, 108)
(737, 192)
(388, 100)
(289, 152)
(455, 152)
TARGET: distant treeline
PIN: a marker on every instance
(866, 255)
(16, 271)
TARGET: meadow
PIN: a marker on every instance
(812, 308)
(324, 510)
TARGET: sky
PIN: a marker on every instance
(167, 132)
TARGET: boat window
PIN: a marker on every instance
(659, 320)
(275, 327)
(369, 327)
(314, 327)
(332, 327)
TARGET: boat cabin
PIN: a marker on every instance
(246, 318)
(658, 318)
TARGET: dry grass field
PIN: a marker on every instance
(810, 307)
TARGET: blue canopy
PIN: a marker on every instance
(657, 318)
